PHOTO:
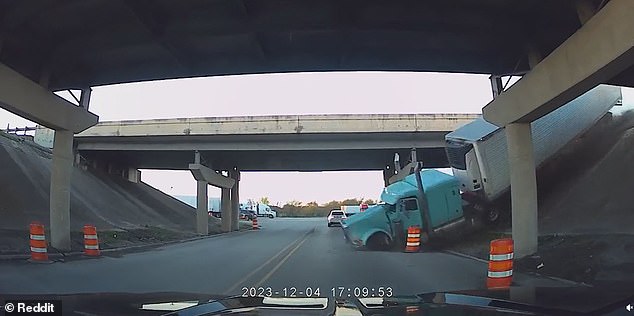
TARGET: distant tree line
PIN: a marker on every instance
(313, 209)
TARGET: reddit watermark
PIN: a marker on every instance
(32, 307)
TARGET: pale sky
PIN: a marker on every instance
(275, 94)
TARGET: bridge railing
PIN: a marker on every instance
(26, 131)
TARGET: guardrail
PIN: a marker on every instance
(16, 130)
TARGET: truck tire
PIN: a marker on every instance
(492, 216)
(488, 214)
(270, 215)
(379, 241)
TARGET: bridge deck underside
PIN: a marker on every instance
(299, 160)
(282, 152)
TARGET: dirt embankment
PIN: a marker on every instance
(586, 208)
(596, 198)
(124, 213)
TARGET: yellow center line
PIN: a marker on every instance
(256, 270)
(279, 264)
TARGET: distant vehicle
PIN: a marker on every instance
(261, 210)
(437, 202)
(354, 209)
(350, 209)
(247, 215)
(214, 204)
(335, 217)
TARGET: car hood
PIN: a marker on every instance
(524, 300)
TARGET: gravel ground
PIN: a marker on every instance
(17, 241)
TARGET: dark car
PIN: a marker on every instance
(247, 214)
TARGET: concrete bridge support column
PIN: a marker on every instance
(235, 200)
(205, 175)
(202, 215)
(202, 201)
(225, 207)
(523, 188)
(61, 170)
(33, 101)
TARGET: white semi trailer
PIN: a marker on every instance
(478, 154)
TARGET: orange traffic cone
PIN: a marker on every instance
(91, 242)
(38, 243)
(255, 223)
(500, 274)
(413, 239)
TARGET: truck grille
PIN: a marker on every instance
(456, 154)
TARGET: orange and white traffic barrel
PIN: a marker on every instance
(37, 241)
(91, 242)
(500, 274)
(255, 223)
(413, 239)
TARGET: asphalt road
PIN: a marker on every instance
(291, 254)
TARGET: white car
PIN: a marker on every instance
(335, 217)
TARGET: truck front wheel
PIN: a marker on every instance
(379, 241)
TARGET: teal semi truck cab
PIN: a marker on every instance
(432, 202)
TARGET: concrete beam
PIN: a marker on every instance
(534, 56)
(585, 10)
(284, 124)
(235, 200)
(601, 49)
(225, 210)
(133, 175)
(202, 173)
(202, 215)
(264, 142)
(61, 171)
(496, 85)
(84, 100)
(523, 188)
(28, 99)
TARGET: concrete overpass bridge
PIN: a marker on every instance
(217, 149)
(562, 49)
(272, 143)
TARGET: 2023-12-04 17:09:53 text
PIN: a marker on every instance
(336, 291)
